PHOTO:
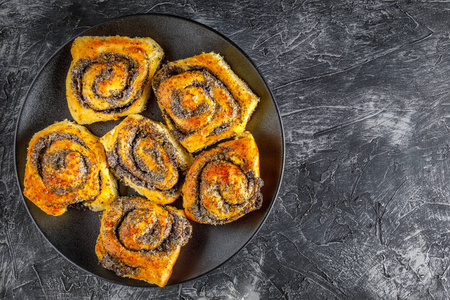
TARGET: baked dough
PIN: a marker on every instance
(224, 183)
(109, 77)
(141, 240)
(143, 155)
(66, 165)
(202, 100)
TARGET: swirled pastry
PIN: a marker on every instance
(141, 240)
(109, 77)
(203, 100)
(66, 165)
(223, 183)
(142, 154)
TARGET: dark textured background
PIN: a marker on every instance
(363, 211)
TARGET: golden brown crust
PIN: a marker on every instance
(66, 165)
(202, 100)
(109, 77)
(223, 183)
(142, 154)
(141, 240)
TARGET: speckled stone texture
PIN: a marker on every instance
(364, 92)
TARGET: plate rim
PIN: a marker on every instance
(272, 98)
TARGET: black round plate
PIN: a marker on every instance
(74, 233)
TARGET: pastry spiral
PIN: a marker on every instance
(142, 154)
(141, 240)
(66, 165)
(203, 100)
(109, 77)
(223, 183)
